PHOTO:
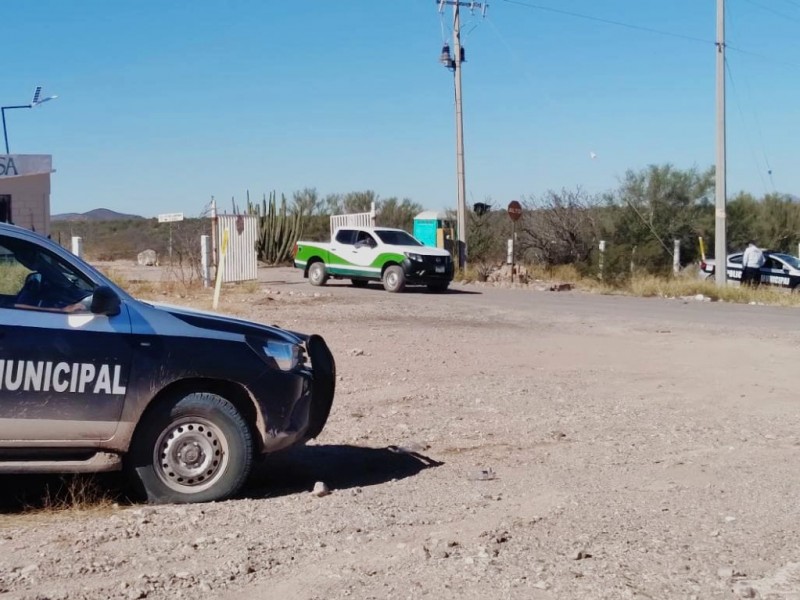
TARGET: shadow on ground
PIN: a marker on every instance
(410, 289)
(290, 472)
(339, 466)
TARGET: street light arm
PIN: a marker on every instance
(3, 110)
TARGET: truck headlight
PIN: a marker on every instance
(413, 256)
(285, 355)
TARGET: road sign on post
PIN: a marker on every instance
(514, 212)
(170, 218)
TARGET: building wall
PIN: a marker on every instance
(30, 201)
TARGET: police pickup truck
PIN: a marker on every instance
(92, 379)
(363, 254)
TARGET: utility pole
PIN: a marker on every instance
(720, 237)
(454, 64)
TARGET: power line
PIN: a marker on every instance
(772, 10)
(763, 57)
(756, 120)
(746, 129)
(653, 30)
(611, 22)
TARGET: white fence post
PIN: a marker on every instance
(602, 248)
(77, 246)
(205, 250)
(676, 258)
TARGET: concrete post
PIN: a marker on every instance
(205, 251)
(77, 246)
(676, 257)
(602, 248)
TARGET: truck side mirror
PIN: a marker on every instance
(105, 301)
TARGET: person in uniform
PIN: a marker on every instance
(752, 261)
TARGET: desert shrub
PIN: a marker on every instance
(12, 277)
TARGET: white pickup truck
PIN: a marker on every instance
(363, 254)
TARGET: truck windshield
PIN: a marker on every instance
(397, 238)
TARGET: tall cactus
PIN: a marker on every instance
(279, 229)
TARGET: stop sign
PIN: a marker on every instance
(514, 210)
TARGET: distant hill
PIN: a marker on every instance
(98, 214)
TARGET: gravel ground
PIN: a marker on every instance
(486, 443)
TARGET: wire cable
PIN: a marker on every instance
(610, 22)
(745, 128)
(733, 18)
(772, 10)
(445, 36)
(763, 57)
(545, 96)
(749, 97)
(653, 30)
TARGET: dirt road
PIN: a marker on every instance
(486, 443)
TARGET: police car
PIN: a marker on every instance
(92, 379)
(778, 269)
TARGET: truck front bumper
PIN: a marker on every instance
(431, 269)
(296, 409)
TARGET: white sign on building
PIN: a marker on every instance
(25, 190)
(20, 165)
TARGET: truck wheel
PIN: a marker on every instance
(317, 274)
(196, 448)
(394, 279)
(359, 283)
(438, 287)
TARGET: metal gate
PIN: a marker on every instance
(353, 220)
(241, 258)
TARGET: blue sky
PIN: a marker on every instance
(163, 104)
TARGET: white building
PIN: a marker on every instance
(25, 190)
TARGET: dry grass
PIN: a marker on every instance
(77, 493)
(172, 284)
(676, 287)
(250, 287)
(686, 284)
(38, 497)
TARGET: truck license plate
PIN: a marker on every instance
(440, 269)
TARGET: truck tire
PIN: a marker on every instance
(394, 279)
(193, 448)
(317, 274)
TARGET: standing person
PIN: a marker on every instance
(752, 260)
